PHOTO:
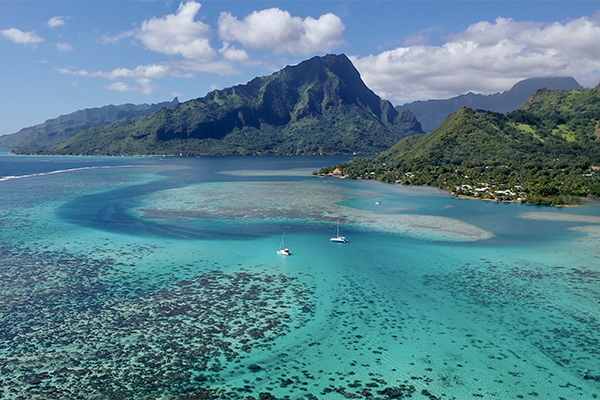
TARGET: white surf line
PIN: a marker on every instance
(7, 178)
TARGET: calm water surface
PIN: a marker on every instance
(140, 278)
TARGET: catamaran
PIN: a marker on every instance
(282, 249)
(337, 238)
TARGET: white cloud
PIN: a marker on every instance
(67, 71)
(144, 86)
(64, 47)
(19, 36)
(153, 71)
(178, 34)
(487, 57)
(119, 87)
(231, 53)
(144, 74)
(55, 21)
(114, 39)
(222, 68)
(277, 30)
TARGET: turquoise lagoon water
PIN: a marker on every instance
(158, 278)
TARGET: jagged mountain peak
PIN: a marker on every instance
(319, 106)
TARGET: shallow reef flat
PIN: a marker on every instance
(591, 227)
(316, 202)
(426, 227)
(554, 216)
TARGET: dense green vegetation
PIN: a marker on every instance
(57, 130)
(547, 152)
(431, 113)
(320, 106)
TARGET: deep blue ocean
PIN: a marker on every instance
(159, 278)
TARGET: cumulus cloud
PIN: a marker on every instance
(18, 36)
(174, 34)
(178, 34)
(64, 47)
(55, 21)
(277, 30)
(231, 53)
(487, 57)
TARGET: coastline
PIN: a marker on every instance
(558, 201)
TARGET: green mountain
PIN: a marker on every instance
(320, 106)
(431, 113)
(542, 153)
(57, 130)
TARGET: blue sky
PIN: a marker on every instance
(62, 56)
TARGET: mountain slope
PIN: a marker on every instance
(320, 106)
(547, 149)
(431, 113)
(467, 137)
(57, 130)
(551, 126)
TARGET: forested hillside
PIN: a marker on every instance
(545, 152)
(431, 113)
(56, 130)
(320, 106)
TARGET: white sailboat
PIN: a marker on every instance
(337, 238)
(282, 249)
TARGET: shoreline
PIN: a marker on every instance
(464, 196)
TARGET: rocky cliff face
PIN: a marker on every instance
(320, 106)
(311, 89)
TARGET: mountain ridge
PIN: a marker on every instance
(56, 130)
(319, 106)
(431, 113)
